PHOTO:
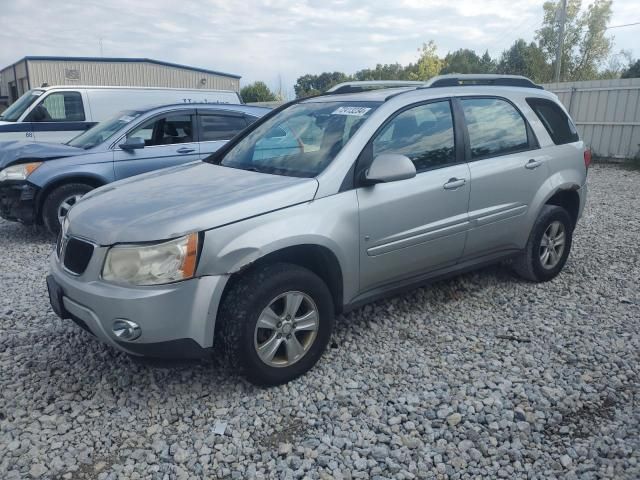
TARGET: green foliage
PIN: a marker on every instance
(257, 92)
(468, 61)
(525, 59)
(309, 85)
(428, 65)
(585, 45)
(633, 71)
(392, 71)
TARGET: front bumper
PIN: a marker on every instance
(177, 320)
(18, 201)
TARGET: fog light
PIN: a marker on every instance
(126, 329)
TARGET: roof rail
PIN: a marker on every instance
(455, 80)
(363, 86)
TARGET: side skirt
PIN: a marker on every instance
(408, 284)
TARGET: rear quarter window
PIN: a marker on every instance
(559, 126)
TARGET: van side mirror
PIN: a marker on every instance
(389, 167)
(132, 143)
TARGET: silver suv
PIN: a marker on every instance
(323, 205)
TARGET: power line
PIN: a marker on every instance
(625, 25)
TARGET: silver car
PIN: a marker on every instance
(317, 208)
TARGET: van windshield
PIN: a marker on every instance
(300, 141)
(17, 108)
(104, 130)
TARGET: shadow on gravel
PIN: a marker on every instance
(26, 234)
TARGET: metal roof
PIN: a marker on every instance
(122, 60)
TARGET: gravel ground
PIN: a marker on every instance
(479, 376)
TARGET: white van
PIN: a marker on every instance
(57, 114)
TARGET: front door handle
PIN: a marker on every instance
(532, 164)
(186, 150)
(454, 183)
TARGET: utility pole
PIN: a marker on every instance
(560, 47)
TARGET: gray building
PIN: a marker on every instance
(31, 72)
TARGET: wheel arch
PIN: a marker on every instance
(317, 258)
(86, 178)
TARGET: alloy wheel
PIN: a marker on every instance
(286, 329)
(66, 205)
(552, 245)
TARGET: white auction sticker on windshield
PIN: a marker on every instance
(354, 111)
(37, 93)
(126, 118)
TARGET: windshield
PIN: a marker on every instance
(17, 108)
(300, 141)
(104, 130)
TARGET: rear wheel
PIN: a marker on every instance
(275, 323)
(58, 203)
(548, 246)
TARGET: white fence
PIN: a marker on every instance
(606, 112)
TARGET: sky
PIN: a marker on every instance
(275, 40)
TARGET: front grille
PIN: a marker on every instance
(77, 254)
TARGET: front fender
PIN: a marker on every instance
(96, 166)
(330, 222)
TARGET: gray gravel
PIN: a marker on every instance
(479, 376)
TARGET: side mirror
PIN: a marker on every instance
(389, 167)
(132, 143)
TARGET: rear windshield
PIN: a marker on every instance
(104, 130)
(17, 108)
(559, 126)
(300, 141)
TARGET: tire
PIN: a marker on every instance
(529, 265)
(54, 202)
(249, 296)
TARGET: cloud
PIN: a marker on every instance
(273, 40)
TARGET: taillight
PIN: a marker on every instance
(587, 158)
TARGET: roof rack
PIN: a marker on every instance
(455, 80)
(366, 85)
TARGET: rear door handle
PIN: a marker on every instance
(186, 150)
(454, 183)
(532, 164)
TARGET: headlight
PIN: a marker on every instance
(152, 264)
(19, 172)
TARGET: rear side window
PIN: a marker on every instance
(59, 107)
(220, 127)
(423, 133)
(495, 127)
(559, 126)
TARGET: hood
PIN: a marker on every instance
(18, 150)
(172, 202)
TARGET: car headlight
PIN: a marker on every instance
(19, 172)
(155, 264)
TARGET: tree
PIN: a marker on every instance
(309, 85)
(525, 59)
(467, 61)
(257, 92)
(392, 71)
(585, 45)
(428, 65)
(633, 71)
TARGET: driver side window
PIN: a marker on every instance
(59, 107)
(423, 133)
(166, 130)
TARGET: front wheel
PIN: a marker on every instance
(548, 246)
(275, 323)
(58, 203)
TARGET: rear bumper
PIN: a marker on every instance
(176, 320)
(18, 201)
(582, 193)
